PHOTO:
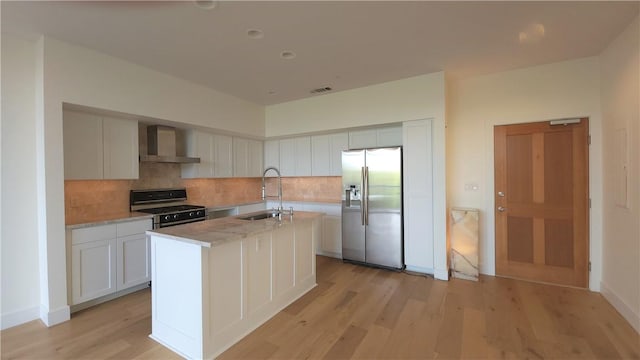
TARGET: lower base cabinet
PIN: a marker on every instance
(106, 259)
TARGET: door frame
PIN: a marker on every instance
(487, 253)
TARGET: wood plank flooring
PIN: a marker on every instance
(358, 312)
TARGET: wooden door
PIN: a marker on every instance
(542, 200)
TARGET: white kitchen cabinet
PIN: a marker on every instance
(284, 261)
(223, 156)
(247, 157)
(389, 136)
(332, 236)
(326, 154)
(133, 261)
(98, 147)
(304, 257)
(258, 251)
(93, 270)
(215, 153)
(83, 150)
(295, 156)
(372, 138)
(109, 258)
(120, 155)
(418, 196)
(272, 155)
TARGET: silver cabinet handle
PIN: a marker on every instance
(501, 209)
(366, 178)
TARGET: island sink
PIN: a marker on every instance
(261, 215)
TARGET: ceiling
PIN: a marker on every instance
(342, 44)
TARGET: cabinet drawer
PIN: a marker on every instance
(134, 227)
(94, 233)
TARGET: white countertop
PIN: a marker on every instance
(88, 220)
(211, 233)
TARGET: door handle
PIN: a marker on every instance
(363, 195)
(366, 178)
(501, 209)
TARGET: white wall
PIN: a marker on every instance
(620, 84)
(415, 98)
(476, 105)
(19, 235)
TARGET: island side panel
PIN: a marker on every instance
(176, 295)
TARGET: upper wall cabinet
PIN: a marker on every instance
(97, 147)
(295, 156)
(247, 157)
(372, 138)
(326, 154)
(271, 155)
(215, 153)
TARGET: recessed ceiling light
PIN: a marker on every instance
(255, 34)
(206, 4)
(272, 92)
(287, 55)
(531, 34)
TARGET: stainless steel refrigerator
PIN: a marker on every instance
(372, 207)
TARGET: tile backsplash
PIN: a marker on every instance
(96, 198)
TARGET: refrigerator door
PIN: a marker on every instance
(383, 214)
(353, 229)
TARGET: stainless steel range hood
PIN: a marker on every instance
(161, 146)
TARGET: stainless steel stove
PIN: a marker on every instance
(167, 205)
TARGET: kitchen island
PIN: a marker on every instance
(215, 281)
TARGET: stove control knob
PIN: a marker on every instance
(167, 217)
(175, 216)
(199, 212)
(191, 214)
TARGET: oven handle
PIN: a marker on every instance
(160, 225)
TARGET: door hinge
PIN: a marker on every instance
(589, 203)
(589, 139)
(589, 265)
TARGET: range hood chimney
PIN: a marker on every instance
(161, 145)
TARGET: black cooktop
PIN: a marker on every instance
(170, 209)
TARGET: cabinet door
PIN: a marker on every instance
(332, 235)
(287, 157)
(362, 139)
(390, 136)
(272, 155)
(93, 270)
(320, 155)
(223, 156)
(337, 143)
(258, 251)
(304, 251)
(120, 137)
(199, 144)
(133, 261)
(240, 157)
(255, 158)
(284, 262)
(83, 151)
(303, 156)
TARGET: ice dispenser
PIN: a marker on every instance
(352, 193)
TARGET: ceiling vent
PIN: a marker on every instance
(321, 90)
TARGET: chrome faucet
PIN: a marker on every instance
(264, 195)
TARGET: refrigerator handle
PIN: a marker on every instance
(366, 186)
(363, 195)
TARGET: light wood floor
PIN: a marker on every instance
(360, 312)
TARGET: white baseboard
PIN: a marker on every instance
(19, 317)
(419, 269)
(55, 317)
(625, 310)
(441, 274)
